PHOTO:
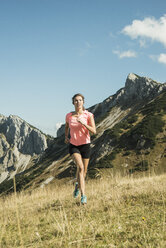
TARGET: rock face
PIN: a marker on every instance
(19, 142)
(136, 89)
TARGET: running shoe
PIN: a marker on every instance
(83, 199)
(76, 191)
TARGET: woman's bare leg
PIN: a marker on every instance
(77, 171)
(80, 172)
(85, 162)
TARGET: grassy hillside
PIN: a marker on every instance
(139, 141)
(121, 212)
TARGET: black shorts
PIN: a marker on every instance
(84, 150)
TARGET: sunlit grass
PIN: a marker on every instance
(121, 212)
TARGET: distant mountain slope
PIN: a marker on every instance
(19, 143)
(136, 143)
(131, 137)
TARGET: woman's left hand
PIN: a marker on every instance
(83, 122)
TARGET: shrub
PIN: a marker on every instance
(132, 119)
(141, 166)
(126, 153)
(106, 161)
(157, 106)
(104, 164)
(148, 128)
(113, 134)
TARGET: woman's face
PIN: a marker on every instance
(78, 102)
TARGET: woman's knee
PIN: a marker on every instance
(81, 168)
(79, 163)
(85, 171)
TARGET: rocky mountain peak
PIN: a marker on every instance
(132, 77)
(26, 138)
(19, 142)
(136, 89)
(135, 80)
(139, 88)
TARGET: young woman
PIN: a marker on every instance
(80, 123)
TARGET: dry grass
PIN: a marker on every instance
(121, 212)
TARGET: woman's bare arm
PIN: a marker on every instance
(66, 133)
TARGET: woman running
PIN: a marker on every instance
(80, 122)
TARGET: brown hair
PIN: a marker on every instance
(78, 94)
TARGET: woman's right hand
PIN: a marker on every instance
(67, 140)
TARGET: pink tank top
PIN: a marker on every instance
(79, 134)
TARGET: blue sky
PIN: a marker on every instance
(52, 49)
